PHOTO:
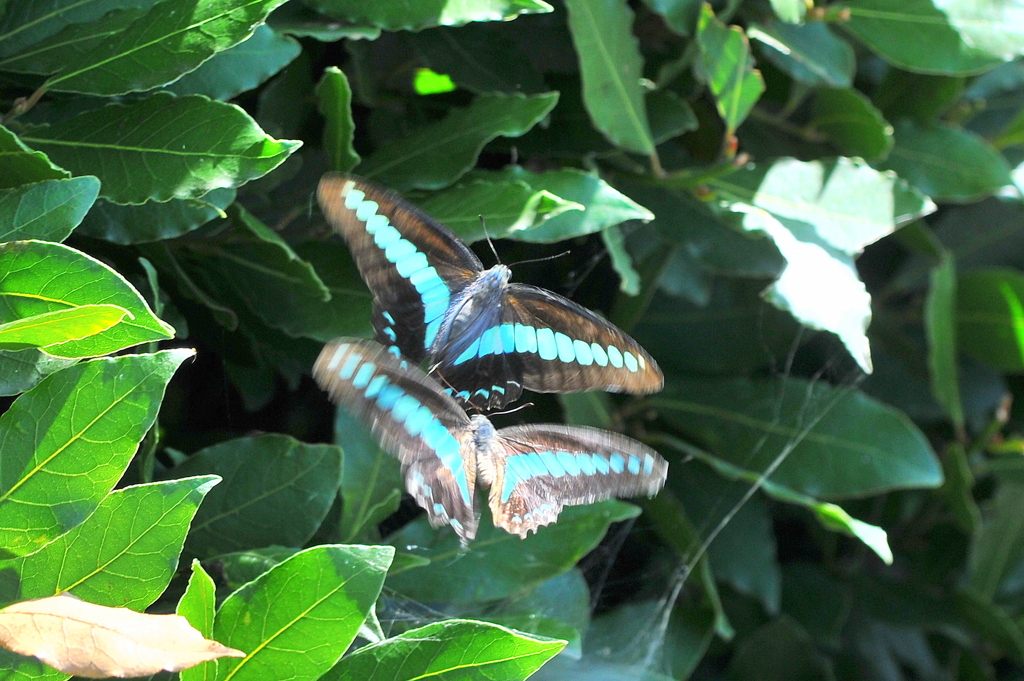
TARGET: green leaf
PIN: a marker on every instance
(275, 490)
(302, 614)
(252, 264)
(851, 123)
(990, 317)
(938, 46)
(22, 165)
(197, 605)
(241, 68)
(153, 220)
(481, 57)
(40, 277)
(30, 22)
(125, 553)
(372, 484)
(940, 321)
(242, 567)
(809, 53)
(558, 605)
(680, 15)
(439, 153)
(629, 278)
(835, 442)
(22, 369)
(47, 210)
(59, 326)
(494, 568)
(946, 163)
(154, 49)
(611, 68)
(725, 59)
(533, 207)
(162, 147)
(334, 100)
(448, 649)
(416, 16)
(999, 546)
(790, 11)
(97, 412)
(779, 651)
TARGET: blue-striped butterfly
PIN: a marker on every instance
(485, 338)
(532, 470)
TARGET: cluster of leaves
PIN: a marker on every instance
(750, 215)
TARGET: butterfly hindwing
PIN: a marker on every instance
(413, 265)
(413, 420)
(536, 470)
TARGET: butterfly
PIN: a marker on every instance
(533, 471)
(485, 338)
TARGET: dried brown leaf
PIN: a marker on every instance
(95, 641)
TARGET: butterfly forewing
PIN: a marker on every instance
(412, 264)
(413, 420)
(536, 470)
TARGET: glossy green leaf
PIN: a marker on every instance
(834, 442)
(439, 153)
(59, 326)
(22, 369)
(743, 553)
(990, 317)
(334, 99)
(153, 220)
(851, 123)
(999, 545)
(275, 490)
(252, 264)
(153, 49)
(198, 605)
(946, 163)
(46, 210)
(809, 53)
(125, 553)
(611, 68)
(416, 16)
(779, 651)
(39, 277)
(242, 567)
(725, 60)
(622, 263)
(533, 207)
(162, 147)
(22, 165)
(920, 97)
(494, 568)
(940, 45)
(510, 208)
(940, 321)
(241, 68)
(849, 204)
(302, 614)
(480, 57)
(558, 605)
(372, 484)
(97, 412)
(451, 649)
(32, 21)
(791, 11)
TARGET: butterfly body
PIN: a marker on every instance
(484, 337)
(533, 471)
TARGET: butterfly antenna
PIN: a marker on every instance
(483, 223)
(545, 258)
(513, 410)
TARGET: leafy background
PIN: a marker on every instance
(809, 213)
